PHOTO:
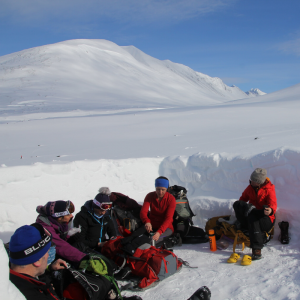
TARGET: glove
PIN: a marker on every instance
(74, 230)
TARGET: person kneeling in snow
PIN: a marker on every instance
(28, 256)
(256, 209)
(55, 217)
(95, 222)
(162, 207)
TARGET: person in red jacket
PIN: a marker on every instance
(256, 209)
(162, 207)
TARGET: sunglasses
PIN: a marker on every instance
(255, 183)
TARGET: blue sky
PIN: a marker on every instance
(251, 44)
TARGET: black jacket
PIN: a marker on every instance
(32, 288)
(91, 228)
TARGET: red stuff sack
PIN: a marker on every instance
(153, 265)
(112, 250)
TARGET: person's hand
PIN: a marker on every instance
(148, 227)
(267, 211)
(59, 265)
(101, 244)
(156, 236)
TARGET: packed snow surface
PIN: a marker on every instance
(210, 147)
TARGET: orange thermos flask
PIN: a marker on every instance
(212, 240)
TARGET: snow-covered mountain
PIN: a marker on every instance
(255, 93)
(98, 74)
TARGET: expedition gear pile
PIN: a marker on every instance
(182, 220)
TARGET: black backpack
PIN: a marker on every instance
(127, 219)
(182, 219)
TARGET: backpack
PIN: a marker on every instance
(148, 262)
(78, 285)
(128, 220)
(153, 265)
(182, 219)
(97, 264)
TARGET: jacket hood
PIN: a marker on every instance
(87, 206)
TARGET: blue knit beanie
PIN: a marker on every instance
(27, 245)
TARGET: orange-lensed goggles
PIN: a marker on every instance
(103, 205)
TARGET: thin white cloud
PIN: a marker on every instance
(32, 12)
(291, 47)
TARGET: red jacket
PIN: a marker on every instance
(161, 212)
(265, 196)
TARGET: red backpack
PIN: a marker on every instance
(151, 264)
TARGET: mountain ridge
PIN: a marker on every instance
(99, 74)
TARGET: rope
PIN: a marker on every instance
(185, 263)
(78, 274)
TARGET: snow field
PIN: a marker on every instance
(214, 181)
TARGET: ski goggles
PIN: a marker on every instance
(70, 208)
(254, 184)
(103, 205)
(46, 238)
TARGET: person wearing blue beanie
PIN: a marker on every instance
(162, 207)
(28, 256)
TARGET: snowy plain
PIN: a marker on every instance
(195, 130)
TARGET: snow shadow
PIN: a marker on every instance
(5, 236)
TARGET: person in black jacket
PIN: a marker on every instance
(95, 222)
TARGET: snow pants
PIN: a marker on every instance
(256, 222)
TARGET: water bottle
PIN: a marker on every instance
(212, 240)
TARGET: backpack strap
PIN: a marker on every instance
(237, 234)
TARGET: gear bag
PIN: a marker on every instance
(78, 285)
(148, 262)
(182, 219)
(128, 220)
(96, 265)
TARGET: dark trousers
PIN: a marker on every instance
(256, 222)
(140, 237)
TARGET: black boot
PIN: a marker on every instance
(284, 235)
(256, 254)
(201, 294)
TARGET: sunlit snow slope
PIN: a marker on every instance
(99, 75)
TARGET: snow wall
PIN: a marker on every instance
(214, 181)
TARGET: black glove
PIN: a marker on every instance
(132, 298)
(201, 294)
(249, 209)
